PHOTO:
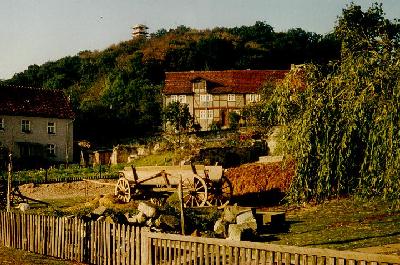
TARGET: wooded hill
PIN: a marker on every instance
(116, 92)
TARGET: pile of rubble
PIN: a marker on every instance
(147, 215)
(236, 224)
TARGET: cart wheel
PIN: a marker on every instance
(220, 192)
(123, 190)
(194, 192)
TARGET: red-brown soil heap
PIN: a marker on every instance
(257, 177)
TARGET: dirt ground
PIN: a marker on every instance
(66, 190)
(19, 257)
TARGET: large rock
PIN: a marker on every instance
(132, 220)
(99, 211)
(247, 220)
(140, 218)
(230, 214)
(245, 216)
(220, 227)
(148, 209)
(169, 221)
(23, 207)
(235, 232)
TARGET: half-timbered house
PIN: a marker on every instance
(212, 95)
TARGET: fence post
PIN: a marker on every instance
(180, 193)
(145, 247)
(9, 182)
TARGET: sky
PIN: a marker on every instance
(38, 31)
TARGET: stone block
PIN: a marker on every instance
(272, 218)
(247, 216)
(99, 210)
(148, 209)
(235, 232)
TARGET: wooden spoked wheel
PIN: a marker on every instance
(194, 192)
(123, 190)
(219, 192)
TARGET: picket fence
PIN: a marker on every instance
(99, 242)
(171, 249)
(94, 242)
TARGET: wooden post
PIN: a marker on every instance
(99, 167)
(9, 182)
(180, 193)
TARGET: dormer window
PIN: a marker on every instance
(51, 128)
(25, 126)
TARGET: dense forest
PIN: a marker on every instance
(116, 93)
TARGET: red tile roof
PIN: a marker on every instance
(219, 82)
(34, 102)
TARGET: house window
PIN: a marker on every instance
(210, 114)
(203, 114)
(1, 124)
(206, 114)
(25, 126)
(206, 98)
(174, 98)
(231, 97)
(51, 149)
(182, 98)
(254, 97)
(51, 128)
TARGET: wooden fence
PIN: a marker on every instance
(71, 238)
(175, 249)
(114, 244)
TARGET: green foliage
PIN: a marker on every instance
(73, 172)
(215, 126)
(343, 128)
(116, 91)
(178, 115)
(234, 119)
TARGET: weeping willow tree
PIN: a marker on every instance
(343, 127)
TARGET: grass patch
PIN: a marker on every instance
(61, 174)
(163, 159)
(343, 224)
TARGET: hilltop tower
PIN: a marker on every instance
(139, 30)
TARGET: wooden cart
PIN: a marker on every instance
(201, 185)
